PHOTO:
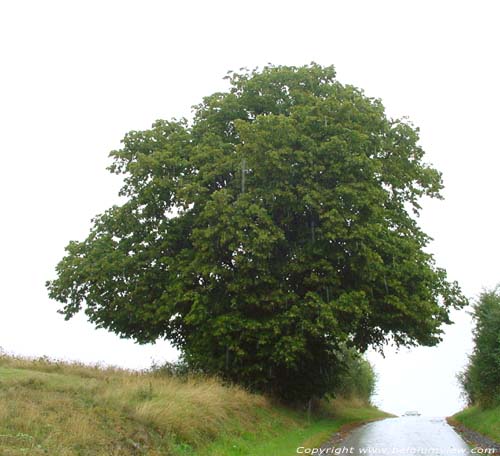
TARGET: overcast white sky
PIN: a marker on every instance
(75, 76)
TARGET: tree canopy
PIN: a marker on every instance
(274, 228)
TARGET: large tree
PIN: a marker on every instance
(274, 228)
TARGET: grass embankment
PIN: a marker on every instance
(485, 421)
(70, 409)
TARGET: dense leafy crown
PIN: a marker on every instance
(274, 228)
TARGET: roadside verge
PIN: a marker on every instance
(478, 427)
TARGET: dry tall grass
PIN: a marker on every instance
(65, 409)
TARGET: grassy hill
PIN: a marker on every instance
(63, 409)
(485, 421)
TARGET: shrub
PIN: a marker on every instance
(480, 380)
(357, 379)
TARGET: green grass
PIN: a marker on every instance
(484, 421)
(53, 408)
(284, 440)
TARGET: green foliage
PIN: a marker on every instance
(267, 233)
(481, 378)
(358, 379)
(179, 369)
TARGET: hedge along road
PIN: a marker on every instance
(402, 436)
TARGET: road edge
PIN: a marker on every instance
(345, 430)
(473, 438)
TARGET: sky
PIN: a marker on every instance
(76, 76)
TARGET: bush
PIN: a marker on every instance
(178, 368)
(480, 380)
(357, 379)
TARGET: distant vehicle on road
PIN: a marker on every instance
(411, 413)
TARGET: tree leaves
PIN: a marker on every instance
(268, 233)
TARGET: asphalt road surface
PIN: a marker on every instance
(404, 436)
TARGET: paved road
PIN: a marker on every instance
(404, 436)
